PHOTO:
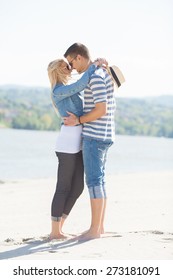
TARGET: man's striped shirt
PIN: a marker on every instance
(100, 89)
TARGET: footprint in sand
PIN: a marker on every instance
(111, 234)
(157, 232)
(9, 240)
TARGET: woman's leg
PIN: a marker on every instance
(77, 184)
(65, 173)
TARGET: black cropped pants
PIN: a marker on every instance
(70, 184)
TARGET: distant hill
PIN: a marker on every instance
(163, 100)
(31, 108)
(24, 94)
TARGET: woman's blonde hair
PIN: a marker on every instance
(56, 73)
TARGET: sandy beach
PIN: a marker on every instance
(139, 223)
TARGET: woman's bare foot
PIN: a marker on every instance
(61, 235)
(57, 236)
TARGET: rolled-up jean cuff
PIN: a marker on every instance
(97, 192)
(56, 219)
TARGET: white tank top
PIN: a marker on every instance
(69, 139)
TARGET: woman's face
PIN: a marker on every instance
(66, 68)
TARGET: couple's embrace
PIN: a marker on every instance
(86, 133)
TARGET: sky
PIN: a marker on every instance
(135, 35)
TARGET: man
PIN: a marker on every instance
(98, 132)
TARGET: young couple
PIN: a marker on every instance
(87, 132)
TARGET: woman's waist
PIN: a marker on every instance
(72, 131)
(67, 105)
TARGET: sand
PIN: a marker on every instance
(139, 221)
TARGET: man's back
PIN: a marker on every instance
(100, 89)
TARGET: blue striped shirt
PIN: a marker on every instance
(100, 89)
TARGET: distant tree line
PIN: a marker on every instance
(31, 108)
(149, 117)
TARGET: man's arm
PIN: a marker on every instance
(96, 113)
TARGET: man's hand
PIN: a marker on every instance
(71, 120)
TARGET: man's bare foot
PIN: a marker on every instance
(102, 231)
(89, 235)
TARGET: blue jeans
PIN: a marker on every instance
(94, 158)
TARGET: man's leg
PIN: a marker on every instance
(102, 229)
(96, 227)
(97, 208)
(94, 153)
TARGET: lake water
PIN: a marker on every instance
(26, 154)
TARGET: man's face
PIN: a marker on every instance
(77, 62)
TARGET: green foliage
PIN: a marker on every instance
(27, 108)
(31, 108)
(148, 117)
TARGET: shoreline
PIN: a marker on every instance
(138, 221)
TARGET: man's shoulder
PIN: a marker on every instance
(99, 72)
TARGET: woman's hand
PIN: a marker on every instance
(101, 62)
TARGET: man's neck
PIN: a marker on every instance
(88, 63)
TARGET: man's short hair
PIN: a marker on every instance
(77, 48)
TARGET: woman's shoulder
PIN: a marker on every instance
(57, 87)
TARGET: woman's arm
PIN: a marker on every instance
(64, 91)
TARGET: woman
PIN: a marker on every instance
(70, 175)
